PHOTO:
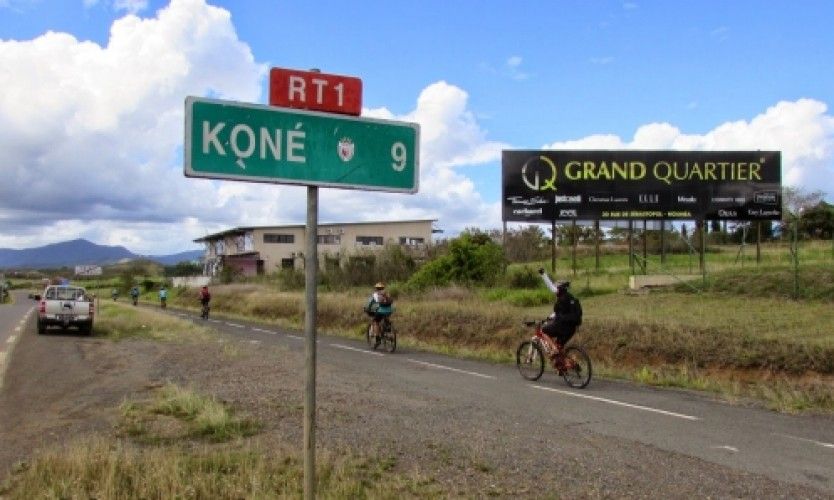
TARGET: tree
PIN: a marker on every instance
(525, 244)
(817, 221)
(473, 259)
(795, 201)
(184, 268)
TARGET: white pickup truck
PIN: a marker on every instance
(65, 306)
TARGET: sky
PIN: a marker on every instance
(92, 100)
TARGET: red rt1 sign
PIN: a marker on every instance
(292, 88)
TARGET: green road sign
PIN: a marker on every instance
(255, 143)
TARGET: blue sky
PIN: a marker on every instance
(477, 76)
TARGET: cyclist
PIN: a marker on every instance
(567, 312)
(205, 298)
(114, 293)
(163, 296)
(134, 294)
(379, 306)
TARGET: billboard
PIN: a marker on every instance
(552, 185)
(88, 270)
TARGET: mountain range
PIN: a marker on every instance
(81, 252)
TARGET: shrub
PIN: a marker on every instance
(473, 259)
(523, 277)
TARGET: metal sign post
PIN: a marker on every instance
(311, 266)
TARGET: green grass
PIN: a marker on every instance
(119, 321)
(192, 416)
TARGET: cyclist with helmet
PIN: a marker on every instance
(379, 305)
(567, 312)
(205, 298)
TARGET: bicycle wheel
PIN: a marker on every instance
(529, 360)
(389, 337)
(577, 371)
(373, 342)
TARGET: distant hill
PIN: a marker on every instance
(79, 252)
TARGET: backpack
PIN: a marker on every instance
(384, 299)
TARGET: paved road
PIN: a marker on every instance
(798, 449)
(13, 318)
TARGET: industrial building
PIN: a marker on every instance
(267, 249)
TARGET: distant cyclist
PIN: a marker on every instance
(205, 298)
(134, 294)
(567, 312)
(163, 296)
(379, 305)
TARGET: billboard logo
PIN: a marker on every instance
(537, 168)
(687, 199)
(649, 198)
(766, 197)
(567, 212)
(518, 200)
(575, 198)
(527, 211)
(727, 213)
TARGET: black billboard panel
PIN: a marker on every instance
(541, 186)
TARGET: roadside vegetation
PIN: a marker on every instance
(182, 444)
(744, 331)
(120, 321)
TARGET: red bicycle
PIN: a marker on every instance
(572, 363)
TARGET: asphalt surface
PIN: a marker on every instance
(13, 319)
(793, 448)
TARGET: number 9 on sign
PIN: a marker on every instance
(399, 154)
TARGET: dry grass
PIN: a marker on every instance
(717, 338)
(176, 465)
(119, 321)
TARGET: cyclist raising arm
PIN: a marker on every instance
(567, 312)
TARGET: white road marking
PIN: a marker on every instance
(264, 331)
(725, 447)
(818, 443)
(256, 342)
(11, 338)
(296, 337)
(215, 321)
(442, 367)
(17, 328)
(340, 346)
(619, 403)
(235, 325)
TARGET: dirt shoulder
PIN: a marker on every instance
(62, 387)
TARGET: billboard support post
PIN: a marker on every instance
(702, 246)
(596, 244)
(631, 245)
(553, 247)
(758, 242)
(663, 242)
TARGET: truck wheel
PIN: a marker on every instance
(86, 328)
(41, 328)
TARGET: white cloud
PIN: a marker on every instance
(801, 129)
(94, 133)
(99, 155)
(130, 6)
